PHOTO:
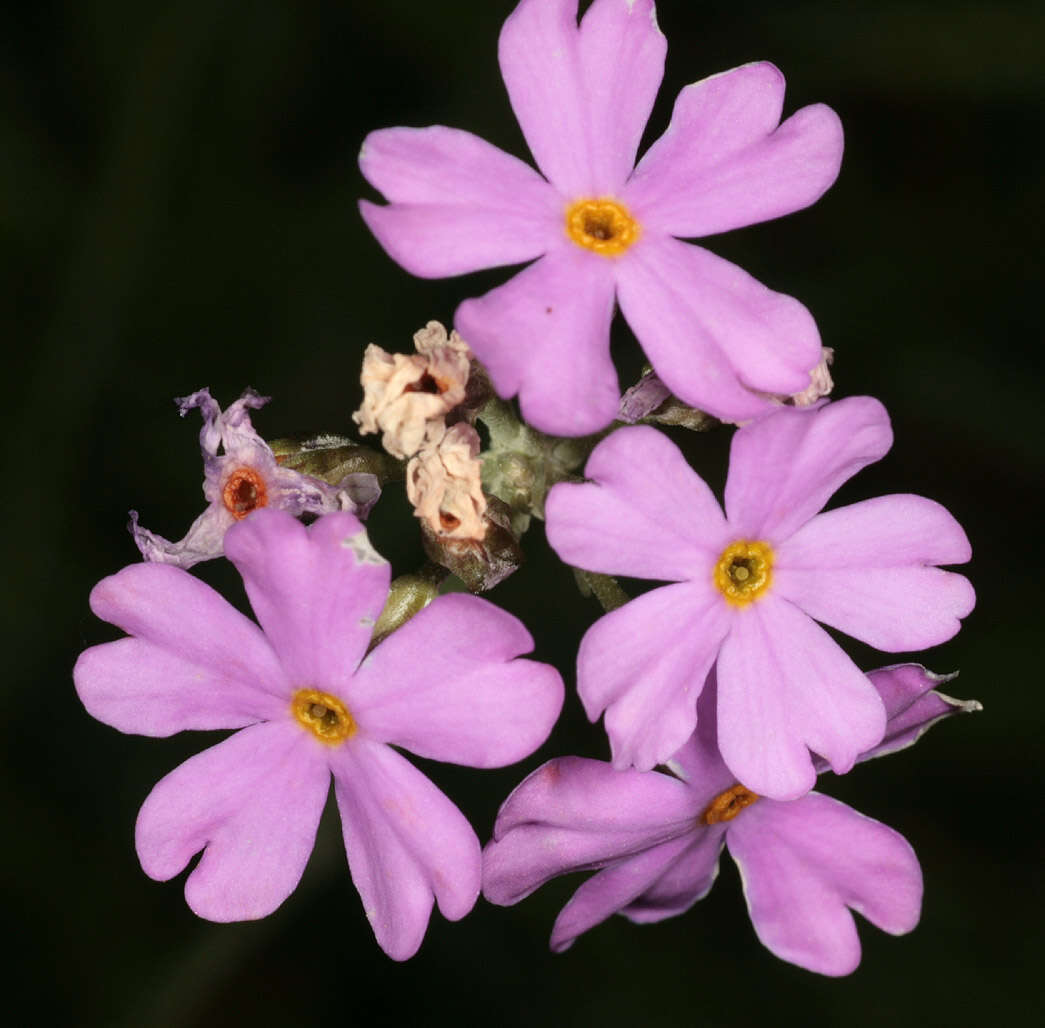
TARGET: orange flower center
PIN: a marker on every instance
(744, 571)
(603, 225)
(243, 492)
(728, 804)
(325, 716)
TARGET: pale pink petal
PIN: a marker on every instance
(645, 664)
(862, 569)
(621, 886)
(784, 468)
(804, 863)
(317, 591)
(436, 240)
(622, 62)
(446, 686)
(724, 162)
(785, 685)
(254, 802)
(698, 761)
(711, 331)
(644, 512)
(683, 882)
(545, 335)
(137, 686)
(169, 608)
(912, 705)
(574, 814)
(407, 844)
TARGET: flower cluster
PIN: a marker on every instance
(722, 673)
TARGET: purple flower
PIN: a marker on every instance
(656, 841)
(748, 587)
(605, 229)
(309, 704)
(247, 476)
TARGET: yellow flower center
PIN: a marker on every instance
(728, 804)
(603, 225)
(325, 716)
(744, 571)
(244, 491)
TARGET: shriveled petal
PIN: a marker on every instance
(436, 240)
(804, 863)
(254, 802)
(545, 335)
(622, 886)
(862, 569)
(712, 332)
(582, 97)
(177, 613)
(912, 705)
(785, 685)
(137, 686)
(724, 162)
(407, 844)
(644, 512)
(784, 468)
(645, 664)
(687, 879)
(574, 814)
(317, 591)
(203, 541)
(446, 686)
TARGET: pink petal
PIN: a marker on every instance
(574, 814)
(446, 686)
(912, 705)
(407, 844)
(644, 512)
(254, 802)
(724, 162)
(582, 97)
(711, 331)
(177, 613)
(804, 863)
(784, 468)
(622, 887)
(645, 664)
(698, 761)
(545, 335)
(317, 591)
(137, 686)
(862, 569)
(785, 685)
(436, 240)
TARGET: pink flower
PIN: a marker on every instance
(656, 839)
(244, 478)
(750, 587)
(309, 704)
(605, 230)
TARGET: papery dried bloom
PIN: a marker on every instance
(244, 478)
(656, 840)
(820, 381)
(403, 393)
(605, 230)
(750, 587)
(444, 483)
(446, 686)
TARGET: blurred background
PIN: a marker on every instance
(178, 189)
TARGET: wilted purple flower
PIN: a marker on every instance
(605, 229)
(656, 841)
(309, 704)
(245, 477)
(748, 587)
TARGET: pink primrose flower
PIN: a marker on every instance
(656, 840)
(244, 478)
(308, 704)
(749, 588)
(601, 229)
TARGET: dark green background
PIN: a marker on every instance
(178, 186)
